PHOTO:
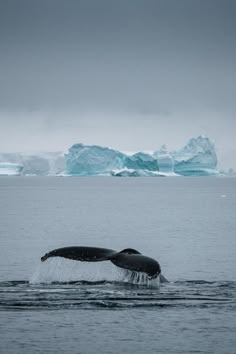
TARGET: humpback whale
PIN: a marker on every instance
(128, 258)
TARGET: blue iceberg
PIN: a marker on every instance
(141, 161)
(197, 158)
(93, 160)
(86, 160)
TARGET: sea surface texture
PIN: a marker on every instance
(64, 306)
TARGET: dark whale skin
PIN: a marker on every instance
(128, 258)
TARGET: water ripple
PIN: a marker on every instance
(21, 295)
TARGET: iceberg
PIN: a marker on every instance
(196, 158)
(10, 169)
(41, 164)
(231, 172)
(92, 160)
(164, 160)
(141, 161)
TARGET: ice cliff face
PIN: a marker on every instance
(84, 160)
(140, 161)
(197, 158)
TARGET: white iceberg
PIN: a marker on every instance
(36, 164)
(164, 160)
(10, 169)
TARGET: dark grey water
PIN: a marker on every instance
(62, 306)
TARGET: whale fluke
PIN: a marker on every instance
(128, 258)
(81, 253)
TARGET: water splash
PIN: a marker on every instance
(139, 278)
(63, 270)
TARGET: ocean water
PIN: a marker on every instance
(64, 306)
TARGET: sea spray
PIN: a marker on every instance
(63, 270)
(139, 278)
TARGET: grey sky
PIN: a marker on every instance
(128, 74)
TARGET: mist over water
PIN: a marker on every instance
(61, 305)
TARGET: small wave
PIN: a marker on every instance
(197, 282)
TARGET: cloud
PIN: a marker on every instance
(111, 73)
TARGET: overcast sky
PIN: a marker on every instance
(128, 74)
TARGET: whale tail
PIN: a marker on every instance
(128, 258)
(81, 253)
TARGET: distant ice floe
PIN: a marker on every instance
(196, 158)
(10, 169)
